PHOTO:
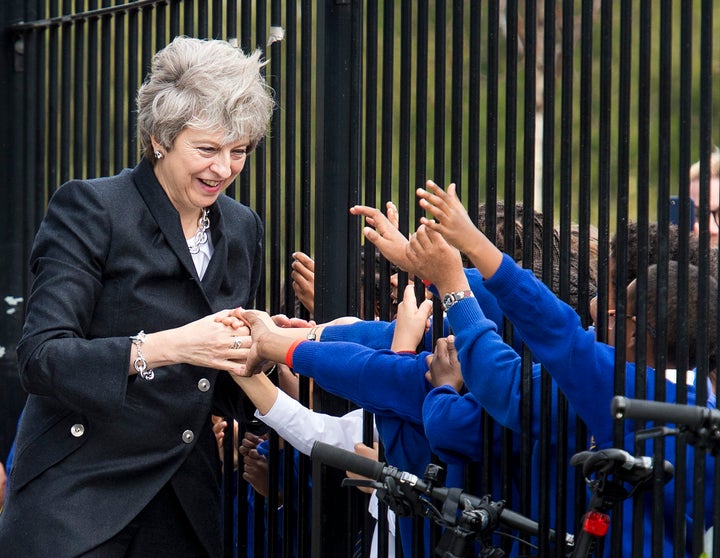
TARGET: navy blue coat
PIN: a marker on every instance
(95, 445)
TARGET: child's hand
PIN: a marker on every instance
(452, 221)
(369, 453)
(444, 366)
(450, 218)
(436, 261)
(303, 276)
(384, 234)
(412, 322)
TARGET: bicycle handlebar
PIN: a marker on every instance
(625, 466)
(377, 471)
(691, 416)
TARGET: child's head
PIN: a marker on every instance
(633, 250)
(518, 247)
(672, 328)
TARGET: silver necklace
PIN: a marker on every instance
(201, 234)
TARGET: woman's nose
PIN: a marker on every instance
(221, 165)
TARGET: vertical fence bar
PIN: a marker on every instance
(78, 98)
(333, 162)
(663, 185)
(119, 105)
(202, 19)
(105, 77)
(217, 20)
(439, 82)
(421, 123)
(246, 44)
(567, 19)
(644, 45)
(307, 93)
(189, 19)
(684, 230)
(474, 82)
(132, 84)
(91, 123)
(387, 139)
(705, 144)
(457, 96)
(621, 222)
(487, 473)
(552, 275)
(584, 197)
(65, 95)
(174, 7)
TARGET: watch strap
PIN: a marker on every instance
(449, 299)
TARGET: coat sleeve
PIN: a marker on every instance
(56, 359)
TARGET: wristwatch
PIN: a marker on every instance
(451, 298)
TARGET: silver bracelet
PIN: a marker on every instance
(140, 364)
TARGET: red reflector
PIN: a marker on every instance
(596, 523)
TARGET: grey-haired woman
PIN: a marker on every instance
(122, 355)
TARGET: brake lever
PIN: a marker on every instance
(655, 432)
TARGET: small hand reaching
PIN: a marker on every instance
(412, 322)
(384, 234)
(436, 261)
(451, 220)
(303, 276)
(444, 366)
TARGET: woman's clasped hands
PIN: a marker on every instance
(263, 338)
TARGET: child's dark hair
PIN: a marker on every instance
(673, 247)
(518, 248)
(693, 306)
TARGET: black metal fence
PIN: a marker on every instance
(590, 111)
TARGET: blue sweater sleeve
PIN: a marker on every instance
(375, 334)
(453, 425)
(491, 369)
(381, 381)
(582, 367)
(372, 334)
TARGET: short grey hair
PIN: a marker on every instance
(206, 85)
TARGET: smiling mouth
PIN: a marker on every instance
(211, 183)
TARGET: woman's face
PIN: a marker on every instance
(199, 167)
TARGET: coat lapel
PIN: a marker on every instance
(168, 220)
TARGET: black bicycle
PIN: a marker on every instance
(612, 476)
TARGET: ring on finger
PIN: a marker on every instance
(236, 342)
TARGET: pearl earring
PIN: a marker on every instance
(158, 154)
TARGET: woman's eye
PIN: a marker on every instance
(208, 150)
(239, 153)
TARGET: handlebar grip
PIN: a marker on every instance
(347, 460)
(659, 411)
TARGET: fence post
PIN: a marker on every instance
(12, 282)
(335, 251)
